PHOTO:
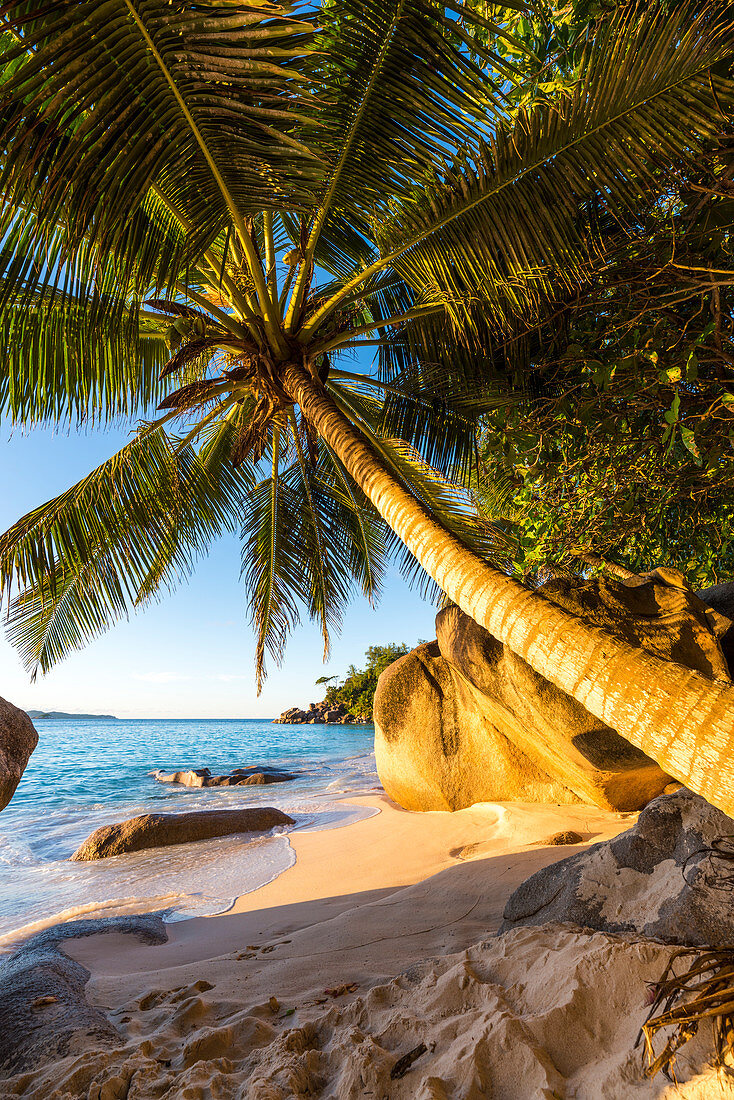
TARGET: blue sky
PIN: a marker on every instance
(192, 654)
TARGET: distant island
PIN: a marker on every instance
(63, 714)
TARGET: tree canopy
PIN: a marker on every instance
(621, 447)
(357, 690)
(209, 208)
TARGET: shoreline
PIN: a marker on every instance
(370, 859)
(380, 938)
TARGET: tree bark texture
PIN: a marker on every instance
(682, 719)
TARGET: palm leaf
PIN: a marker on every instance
(398, 91)
(307, 540)
(100, 101)
(444, 501)
(63, 364)
(508, 225)
(136, 523)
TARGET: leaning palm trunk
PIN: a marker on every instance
(680, 718)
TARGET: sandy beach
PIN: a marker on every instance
(377, 942)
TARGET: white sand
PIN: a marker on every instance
(538, 1013)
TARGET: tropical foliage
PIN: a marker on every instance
(622, 448)
(209, 207)
(357, 690)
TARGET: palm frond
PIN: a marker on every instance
(308, 538)
(77, 356)
(100, 101)
(399, 92)
(136, 523)
(362, 533)
(509, 225)
(432, 409)
(443, 500)
(272, 569)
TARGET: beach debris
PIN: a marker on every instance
(337, 991)
(702, 994)
(41, 1002)
(403, 1064)
(264, 949)
(341, 990)
(274, 1004)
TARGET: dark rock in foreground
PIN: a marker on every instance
(257, 776)
(18, 739)
(670, 877)
(43, 1009)
(160, 830)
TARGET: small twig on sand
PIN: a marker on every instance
(403, 1064)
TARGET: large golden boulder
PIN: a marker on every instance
(465, 720)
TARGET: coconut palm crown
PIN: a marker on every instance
(208, 207)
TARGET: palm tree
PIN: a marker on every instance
(157, 159)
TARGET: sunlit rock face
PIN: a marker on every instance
(18, 739)
(464, 719)
(437, 747)
(668, 877)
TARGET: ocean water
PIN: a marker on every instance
(86, 773)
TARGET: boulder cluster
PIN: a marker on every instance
(327, 714)
(256, 776)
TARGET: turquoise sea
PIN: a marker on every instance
(88, 773)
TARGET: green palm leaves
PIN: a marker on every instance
(105, 100)
(308, 540)
(132, 525)
(507, 226)
(200, 196)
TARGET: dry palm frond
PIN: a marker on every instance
(704, 992)
(189, 353)
(191, 395)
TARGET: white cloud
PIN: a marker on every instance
(160, 677)
(230, 677)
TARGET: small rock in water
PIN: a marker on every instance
(258, 775)
(159, 830)
(568, 836)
